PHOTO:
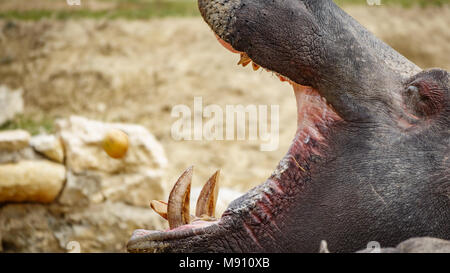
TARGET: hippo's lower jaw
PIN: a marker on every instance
(370, 158)
(263, 203)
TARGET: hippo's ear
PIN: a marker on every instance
(427, 94)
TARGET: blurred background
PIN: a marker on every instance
(131, 61)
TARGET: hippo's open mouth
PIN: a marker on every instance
(314, 117)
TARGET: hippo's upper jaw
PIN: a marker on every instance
(370, 158)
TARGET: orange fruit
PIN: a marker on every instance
(115, 143)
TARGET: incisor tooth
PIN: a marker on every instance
(206, 202)
(159, 207)
(255, 66)
(245, 60)
(178, 205)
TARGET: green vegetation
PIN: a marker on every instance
(33, 126)
(145, 9)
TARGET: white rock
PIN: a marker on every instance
(81, 189)
(104, 227)
(94, 187)
(50, 146)
(424, 245)
(134, 189)
(16, 156)
(13, 140)
(95, 177)
(31, 181)
(11, 103)
(82, 139)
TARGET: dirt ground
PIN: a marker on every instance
(136, 71)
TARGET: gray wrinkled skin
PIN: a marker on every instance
(383, 173)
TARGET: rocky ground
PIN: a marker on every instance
(62, 188)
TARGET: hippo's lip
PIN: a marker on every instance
(313, 110)
(191, 229)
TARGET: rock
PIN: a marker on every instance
(31, 181)
(424, 245)
(25, 228)
(104, 227)
(11, 103)
(81, 189)
(50, 146)
(380, 250)
(82, 139)
(414, 245)
(134, 189)
(98, 198)
(16, 156)
(95, 176)
(13, 140)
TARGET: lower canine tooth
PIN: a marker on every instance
(178, 205)
(206, 202)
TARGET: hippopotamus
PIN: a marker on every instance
(369, 161)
